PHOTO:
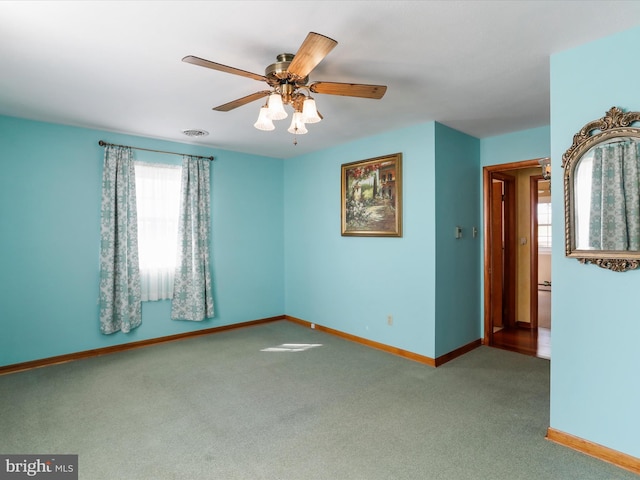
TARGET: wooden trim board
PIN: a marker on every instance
(458, 352)
(432, 362)
(595, 450)
(69, 357)
(363, 341)
(19, 367)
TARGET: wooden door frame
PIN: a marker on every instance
(509, 257)
(533, 215)
(488, 174)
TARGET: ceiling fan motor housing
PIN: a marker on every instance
(278, 74)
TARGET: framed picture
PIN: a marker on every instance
(372, 197)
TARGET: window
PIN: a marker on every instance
(158, 205)
(544, 225)
(582, 212)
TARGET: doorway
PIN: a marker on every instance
(517, 253)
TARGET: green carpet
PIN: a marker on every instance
(219, 407)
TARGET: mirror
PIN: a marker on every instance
(602, 192)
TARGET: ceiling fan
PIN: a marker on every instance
(288, 79)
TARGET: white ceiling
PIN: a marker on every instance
(481, 67)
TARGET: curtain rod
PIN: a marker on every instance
(102, 143)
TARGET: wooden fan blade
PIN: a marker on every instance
(314, 48)
(349, 89)
(242, 101)
(222, 68)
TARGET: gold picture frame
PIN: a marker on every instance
(601, 247)
(371, 197)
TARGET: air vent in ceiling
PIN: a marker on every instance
(194, 132)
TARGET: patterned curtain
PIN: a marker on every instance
(615, 198)
(120, 307)
(192, 299)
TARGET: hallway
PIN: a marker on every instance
(532, 342)
(518, 258)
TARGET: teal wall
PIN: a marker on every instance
(261, 208)
(50, 221)
(515, 147)
(353, 283)
(457, 261)
(595, 386)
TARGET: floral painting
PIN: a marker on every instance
(372, 197)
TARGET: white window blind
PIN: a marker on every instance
(158, 198)
(544, 225)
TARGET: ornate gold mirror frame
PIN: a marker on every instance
(614, 129)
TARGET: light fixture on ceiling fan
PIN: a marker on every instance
(288, 79)
(287, 93)
(545, 164)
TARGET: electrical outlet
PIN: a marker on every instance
(389, 319)
(313, 325)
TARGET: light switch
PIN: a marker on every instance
(458, 232)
